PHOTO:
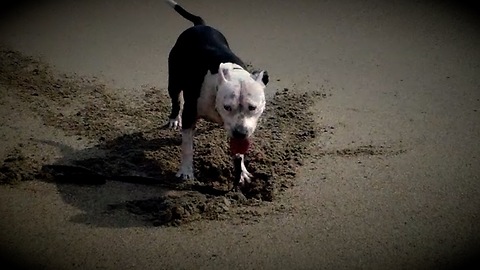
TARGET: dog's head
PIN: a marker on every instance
(240, 99)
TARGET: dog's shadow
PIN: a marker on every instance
(101, 181)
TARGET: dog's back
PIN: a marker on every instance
(200, 45)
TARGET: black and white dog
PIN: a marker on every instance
(216, 86)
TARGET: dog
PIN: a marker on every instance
(207, 80)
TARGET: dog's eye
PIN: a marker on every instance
(252, 108)
(227, 108)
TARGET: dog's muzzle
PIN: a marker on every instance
(240, 132)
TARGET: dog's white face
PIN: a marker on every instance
(240, 100)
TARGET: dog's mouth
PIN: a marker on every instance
(239, 146)
(240, 140)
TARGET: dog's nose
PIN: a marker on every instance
(240, 132)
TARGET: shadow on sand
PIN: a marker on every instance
(134, 174)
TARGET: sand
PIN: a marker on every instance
(367, 156)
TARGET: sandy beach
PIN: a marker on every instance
(367, 157)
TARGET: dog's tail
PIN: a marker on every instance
(196, 20)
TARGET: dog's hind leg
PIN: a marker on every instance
(175, 118)
(175, 93)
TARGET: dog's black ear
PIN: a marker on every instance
(265, 77)
(256, 76)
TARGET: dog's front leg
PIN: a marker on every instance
(186, 166)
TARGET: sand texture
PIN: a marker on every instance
(367, 156)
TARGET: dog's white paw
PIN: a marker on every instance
(185, 173)
(185, 176)
(175, 123)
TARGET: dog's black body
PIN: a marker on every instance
(198, 49)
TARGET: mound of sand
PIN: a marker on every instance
(132, 145)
